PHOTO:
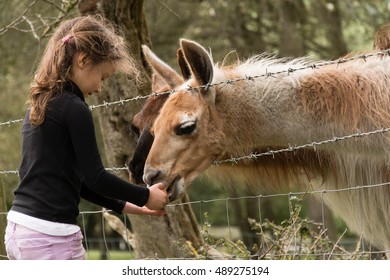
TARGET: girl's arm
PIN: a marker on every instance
(88, 194)
(79, 122)
(119, 206)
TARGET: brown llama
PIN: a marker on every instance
(209, 118)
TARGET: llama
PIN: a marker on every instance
(207, 119)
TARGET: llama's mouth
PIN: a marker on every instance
(175, 189)
(170, 188)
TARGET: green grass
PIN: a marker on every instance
(112, 255)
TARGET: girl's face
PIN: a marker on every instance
(88, 76)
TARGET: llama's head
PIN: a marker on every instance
(184, 132)
(144, 119)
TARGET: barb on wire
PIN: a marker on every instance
(117, 169)
(7, 172)
(10, 122)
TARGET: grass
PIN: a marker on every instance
(295, 238)
(111, 255)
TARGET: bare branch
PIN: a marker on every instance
(117, 225)
(64, 12)
(32, 28)
(21, 18)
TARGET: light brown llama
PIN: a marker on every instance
(199, 124)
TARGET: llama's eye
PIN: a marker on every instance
(185, 128)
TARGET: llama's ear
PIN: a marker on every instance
(201, 67)
(158, 83)
(172, 78)
(185, 71)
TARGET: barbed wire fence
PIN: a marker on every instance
(294, 250)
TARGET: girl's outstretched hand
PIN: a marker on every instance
(131, 208)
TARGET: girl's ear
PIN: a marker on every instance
(81, 60)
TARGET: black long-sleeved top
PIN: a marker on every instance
(61, 163)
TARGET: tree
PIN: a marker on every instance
(292, 15)
(329, 14)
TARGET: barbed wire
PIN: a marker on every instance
(254, 156)
(313, 145)
(292, 196)
(313, 66)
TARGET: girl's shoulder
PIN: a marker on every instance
(67, 105)
(66, 98)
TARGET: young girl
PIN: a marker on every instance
(60, 158)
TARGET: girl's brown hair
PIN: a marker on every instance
(92, 35)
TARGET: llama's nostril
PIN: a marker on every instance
(151, 176)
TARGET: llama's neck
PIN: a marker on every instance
(265, 113)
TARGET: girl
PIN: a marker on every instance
(60, 158)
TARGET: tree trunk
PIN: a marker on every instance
(155, 237)
(330, 16)
(292, 16)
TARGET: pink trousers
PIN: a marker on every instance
(22, 243)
